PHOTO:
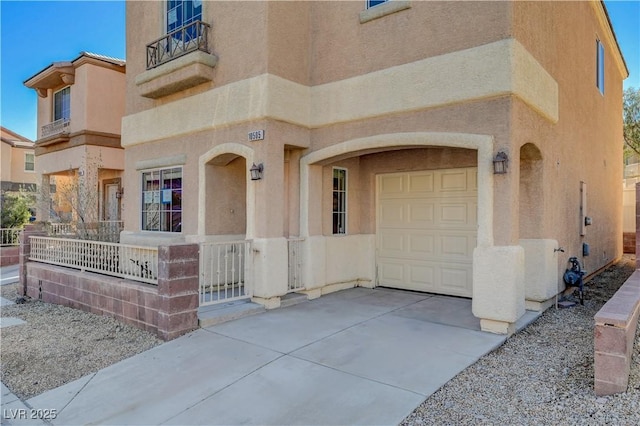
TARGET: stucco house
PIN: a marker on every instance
(459, 148)
(18, 162)
(79, 113)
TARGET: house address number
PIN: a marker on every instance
(256, 135)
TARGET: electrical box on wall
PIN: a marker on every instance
(585, 249)
(583, 209)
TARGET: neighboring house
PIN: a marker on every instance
(18, 162)
(381, 131)
(80, 107)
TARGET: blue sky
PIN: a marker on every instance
(33, 34)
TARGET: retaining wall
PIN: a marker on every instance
(168, 309)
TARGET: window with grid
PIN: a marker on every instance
(339, 201)
(162, 200)
(372, 3)
(62, 104)
(29, 162)
(600, 66)
(181, 13)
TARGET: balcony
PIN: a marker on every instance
(55, 128)
(177, 43)
(177, 61)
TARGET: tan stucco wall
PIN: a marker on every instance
(501, 83)
(97, 101)
(586, 143)
(5, 161)
(13, 161)
(105, 92)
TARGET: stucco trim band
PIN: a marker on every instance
(155, 163)
(500, 68)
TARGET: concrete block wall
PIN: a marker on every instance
(628, 242)
(168, 310)
(614, 336)
(9, 255)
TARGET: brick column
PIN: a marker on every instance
(638, 225)
(25, 252)
(178, 270)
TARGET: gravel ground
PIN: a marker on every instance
(541, 375)
(59, 345)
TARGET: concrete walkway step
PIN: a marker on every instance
(293, 299)
(218, 314)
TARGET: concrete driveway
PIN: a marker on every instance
(358, 356)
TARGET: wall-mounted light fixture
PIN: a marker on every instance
(500, 163)
(120, 193)
(256, 171)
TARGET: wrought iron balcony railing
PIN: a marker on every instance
(177, 43)
(58, 126)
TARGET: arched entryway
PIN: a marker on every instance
(226, 200)
(225, 224)
(398, 173)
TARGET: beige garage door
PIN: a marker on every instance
(427, 228)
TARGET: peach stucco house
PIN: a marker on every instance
(376, 126)
(80, 108)
(18, 162)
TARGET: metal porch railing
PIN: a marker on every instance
(10, 236)
(225, 271)
(177, 43)
(56, 127)
(119, 260)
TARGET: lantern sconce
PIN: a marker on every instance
(256, 171)
(500, 163)
(120, 193)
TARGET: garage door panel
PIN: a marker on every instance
(454, 246)
(455, 180)
(427, 230)
(392, 184)
(455, 279)
(420, 214)
(422, 275)
(392, 244)
(392, 214)
(420, 183)
(392, 274)
(421, 245)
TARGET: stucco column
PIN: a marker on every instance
(269, 244)
(43, 207)
(540, 272)
(498, 287)
(314, 252)
(498, 262)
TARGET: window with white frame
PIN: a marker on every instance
(62, 104)
(600, 66)
(372, 3)
(162, 200)
(339, 211)
(29, 162)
